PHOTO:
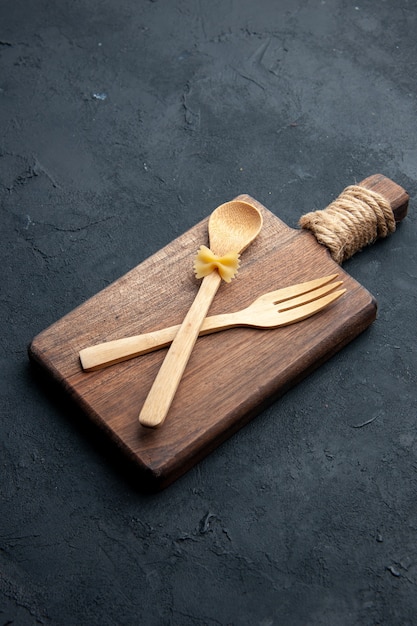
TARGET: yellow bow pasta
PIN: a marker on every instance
(206, 262)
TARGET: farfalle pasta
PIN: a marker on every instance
(206, 262)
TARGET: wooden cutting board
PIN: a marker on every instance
(232, 375)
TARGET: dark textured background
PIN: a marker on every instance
(123, 123)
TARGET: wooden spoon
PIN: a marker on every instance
(232, 228)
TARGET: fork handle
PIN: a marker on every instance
(165, 385)
(110, 352)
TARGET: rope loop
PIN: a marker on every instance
(354, 220)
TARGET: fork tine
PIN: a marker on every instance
(291, 316)
(280, 295)
(310, 296)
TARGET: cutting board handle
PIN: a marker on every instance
(360, 214)
(394, 193)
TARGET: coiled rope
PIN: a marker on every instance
(354, 220)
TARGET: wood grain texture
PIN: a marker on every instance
(231, 376)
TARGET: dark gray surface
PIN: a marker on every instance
(304, 517)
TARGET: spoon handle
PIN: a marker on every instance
(161, 395)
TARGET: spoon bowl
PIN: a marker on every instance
(233, 226)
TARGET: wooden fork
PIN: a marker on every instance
(271, 310)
